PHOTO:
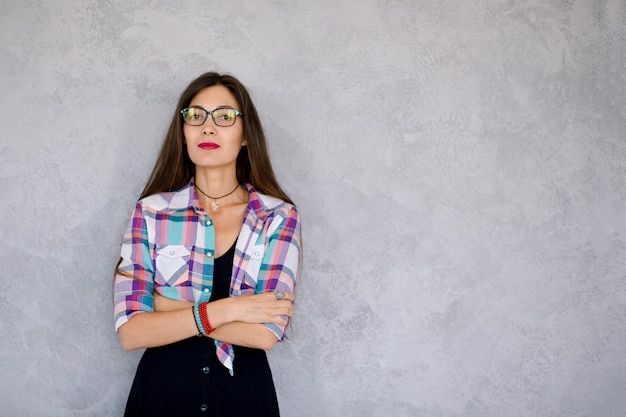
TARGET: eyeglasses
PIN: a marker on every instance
(223, 116)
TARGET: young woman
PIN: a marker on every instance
(209, 263)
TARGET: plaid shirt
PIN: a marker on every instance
(169, 244)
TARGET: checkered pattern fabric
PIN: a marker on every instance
(169, 244)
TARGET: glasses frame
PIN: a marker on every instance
(237, 113)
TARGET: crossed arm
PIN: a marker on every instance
(242, 320)
(237, 320)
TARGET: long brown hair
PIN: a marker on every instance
(173, 168)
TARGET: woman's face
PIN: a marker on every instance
(211, 146)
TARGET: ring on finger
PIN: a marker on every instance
(279, 295)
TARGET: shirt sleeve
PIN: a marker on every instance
(133, 282)
(281, 266)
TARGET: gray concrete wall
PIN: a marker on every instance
(459, 166)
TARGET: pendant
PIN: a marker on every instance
(215, 205)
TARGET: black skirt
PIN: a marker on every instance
(187, 379)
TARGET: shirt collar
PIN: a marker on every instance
(255, 204)
(259, 205)
(184, 198)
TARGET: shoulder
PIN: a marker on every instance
(277, 206)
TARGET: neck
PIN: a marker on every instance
(214, 182)
(218, 188)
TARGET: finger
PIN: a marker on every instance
(283, 310)
(283, 295)
(279, 320)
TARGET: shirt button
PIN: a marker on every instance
(256, 253)
(208, 222)
(209, 254)
(206, 290)
(205, 370)
(203, 408)
(172, 252)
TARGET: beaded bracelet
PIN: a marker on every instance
(196, 315)
(204, 319)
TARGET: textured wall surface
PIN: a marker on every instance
(459, 166)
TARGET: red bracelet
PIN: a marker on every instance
(204, 319)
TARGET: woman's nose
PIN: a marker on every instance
(208, 128)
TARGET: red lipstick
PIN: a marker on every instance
(208, 146)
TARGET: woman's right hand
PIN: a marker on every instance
(263, 308)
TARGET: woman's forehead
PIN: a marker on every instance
(213, 97)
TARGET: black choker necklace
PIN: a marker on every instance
(214, 204)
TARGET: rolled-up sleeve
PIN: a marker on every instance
(133, 283)
(281, 266)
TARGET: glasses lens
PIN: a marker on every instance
(225, 117)
(194, 116)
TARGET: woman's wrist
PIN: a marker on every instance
(204, 319)
(196, 315)
(221, 311)
(201, 317)
(209, 316)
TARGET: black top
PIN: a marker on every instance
(187, 379)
